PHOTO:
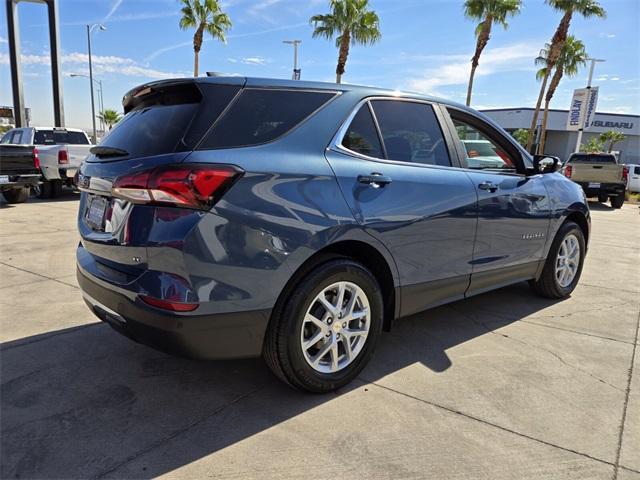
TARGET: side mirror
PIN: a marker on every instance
(545, 164)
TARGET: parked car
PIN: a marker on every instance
(234, 217)
(633, 182)
(61, 152)
(19, 171)
(600, 175)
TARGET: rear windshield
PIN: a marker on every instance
(262, 115)
(591, 157)
(171, 120)
(59, 137)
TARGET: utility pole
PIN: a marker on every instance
(591, 68)
(296, 71)
(93, 107)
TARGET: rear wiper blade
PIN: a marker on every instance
(105, 151)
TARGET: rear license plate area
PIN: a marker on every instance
(594, 185)
(95, 212)
(4, 178)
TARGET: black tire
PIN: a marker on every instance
(617, 202)
(17, 195)
(282, 349)
(602, 197)
(44, 190)
(548, 285)
(56, 188)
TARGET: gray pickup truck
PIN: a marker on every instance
(19, 171)
(599, 174)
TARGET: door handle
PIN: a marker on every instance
(489, 186)
(376, 179)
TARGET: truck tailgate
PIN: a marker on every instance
(77, 153)
(596, 172)
(17, 160)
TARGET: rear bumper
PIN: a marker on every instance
(217, 336)
(605, 188)
(19, 181)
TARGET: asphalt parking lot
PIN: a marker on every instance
(505, 385)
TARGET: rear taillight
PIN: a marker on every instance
(625, 174)
(63, 157)
(169, 305)
(188, 186)
(567, 171)
(36, 158)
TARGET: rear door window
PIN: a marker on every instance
(411, 132)
(362, 136)
(59, 137)
(261, 115)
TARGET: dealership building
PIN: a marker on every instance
(562, 142)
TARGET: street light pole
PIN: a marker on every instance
(296, 70)
(589, 79)
(93, 108)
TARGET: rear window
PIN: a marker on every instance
(594, 158)
(170, 120)
(262, 115)
(59, 137)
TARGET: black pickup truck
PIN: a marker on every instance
(19, 171)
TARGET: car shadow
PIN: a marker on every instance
(87, 402)
(600, 207)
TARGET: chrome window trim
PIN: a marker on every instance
(336, 142)
(336, 94)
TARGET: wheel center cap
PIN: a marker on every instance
(336, 327)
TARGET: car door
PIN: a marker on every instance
(394, 167)
(513, 206)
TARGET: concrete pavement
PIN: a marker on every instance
(504, 385)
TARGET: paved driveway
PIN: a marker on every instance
(504, 385)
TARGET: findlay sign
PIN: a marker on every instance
(583, 108)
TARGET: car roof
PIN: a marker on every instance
(58, 128)
(257, 82)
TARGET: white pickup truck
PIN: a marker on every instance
(60, 150)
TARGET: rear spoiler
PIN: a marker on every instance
(187, 88)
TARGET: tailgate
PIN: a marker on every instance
(17, 160)
(596, 172)
(77, 153)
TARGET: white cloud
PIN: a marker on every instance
(114, 7)
(77, 62)
(607, 35)
(176, 46)
(455, 68)
(250, 60)
(3, 40)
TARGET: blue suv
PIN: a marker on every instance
(235, 217)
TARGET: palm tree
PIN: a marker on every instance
(204, 16)
(586, 8)
(612, 137)
(110, 117)
(352, 22)
(572, 56)
(489, 12)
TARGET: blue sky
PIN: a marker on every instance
(426, 46)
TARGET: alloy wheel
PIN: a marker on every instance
(335, 327)
(567, 261)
